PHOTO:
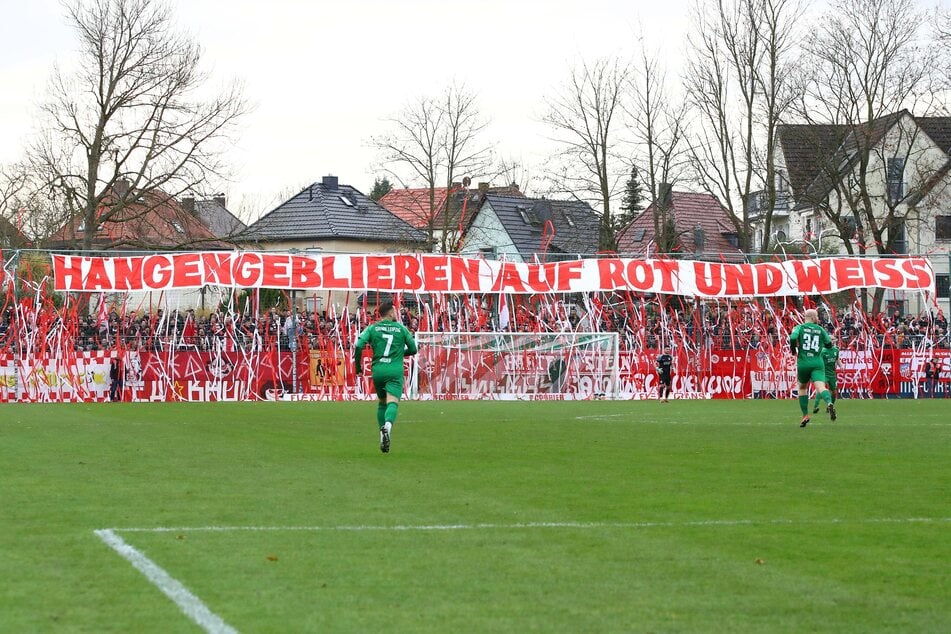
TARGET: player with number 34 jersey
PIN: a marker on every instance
(807, 341)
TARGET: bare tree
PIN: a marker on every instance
(736, 80)
(657, 128)
(437, 141)
(586, 117)
(867, 68)
(128, 129)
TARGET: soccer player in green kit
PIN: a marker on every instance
(390, 341)
(830, 357)
(807, 341)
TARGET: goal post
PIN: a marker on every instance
(515, 365)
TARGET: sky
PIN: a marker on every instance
(324, 76)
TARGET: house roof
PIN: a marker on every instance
(411, 204)
(804, 149)
(10, 236)
(817, 155)
(690, 212)
(218, 219)
(156, 221)
(328, 211)
(575, 225)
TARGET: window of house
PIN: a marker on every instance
(346, 201)
(178, 227)
(942, 227)
(899, 239)
(943, 286)
(895, 173)
(522, 211)
(488, 253)
(781, 184)
(569, 219)
(639, 235)
(848, 228)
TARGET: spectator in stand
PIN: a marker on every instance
(115, 380)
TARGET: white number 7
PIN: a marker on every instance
(389, 344)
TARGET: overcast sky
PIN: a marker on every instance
(323, 75)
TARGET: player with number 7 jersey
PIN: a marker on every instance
(390, 342)
(807, 341)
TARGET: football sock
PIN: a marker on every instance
(816, 404)
(391, 412)
(381, 414)
(826, 396)
(804, 404)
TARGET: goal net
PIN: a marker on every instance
(511, 365)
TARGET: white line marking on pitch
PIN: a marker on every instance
(529, 525)
(191, 605)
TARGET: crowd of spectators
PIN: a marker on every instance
(647, 325)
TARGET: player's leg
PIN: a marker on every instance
(803, 375)
(379, 383)
(819, 380)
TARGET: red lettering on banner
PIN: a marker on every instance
(668, 269)
(357, 271)
(509, 280)
(847, 273)
(812, 277)
(888, 274)
(539, 276)
(156, 272)
(275, 271)
(709, 278)
(436, 279)
(640, 275)
(568, 271)
(247, 270)
(611, 273)
(330, 278)
(921, 276)
(868, 272)
(406, 276)
(68, 272)
(217, 268)
(465, 275)
(304, 272)
(97, 279)
(187, 270)
(128, 274)
(379, 272)
(769, 278)
(738, 279)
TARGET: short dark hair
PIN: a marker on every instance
(384, 308)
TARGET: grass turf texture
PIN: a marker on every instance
(69, 469)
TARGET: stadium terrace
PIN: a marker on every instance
(433, 273)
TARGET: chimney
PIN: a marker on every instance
(188, 204)
(665, 195)
(329, 182)
(121, 188)
(483, 189)
(220, 200)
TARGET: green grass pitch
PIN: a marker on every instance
(691, 516)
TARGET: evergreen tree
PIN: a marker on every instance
(381, 187)
(632, 202)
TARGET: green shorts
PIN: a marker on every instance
(391, 384)
(810, 371)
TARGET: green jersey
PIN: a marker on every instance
(830, 356)
(809, 340)
(390, 342)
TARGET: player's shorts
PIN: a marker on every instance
(809, 371)
(391, 384)
(664, 379)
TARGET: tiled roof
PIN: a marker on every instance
(157, 222)
(805, 147)
(938, 129)
(690, 211)
(218, 219)
(575, 224)
(411, 204)
(329, 212)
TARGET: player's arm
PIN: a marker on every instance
(826, 339)
(362, 341)
(410, 343)
(794, 339)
